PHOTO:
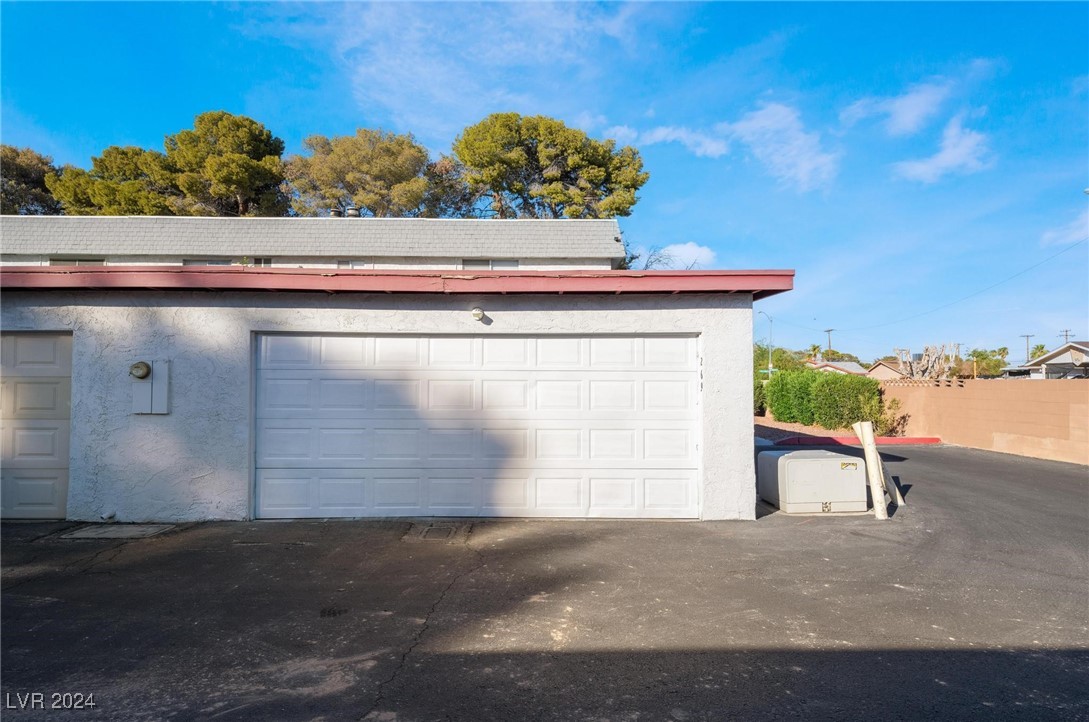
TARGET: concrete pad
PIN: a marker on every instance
(969, 602)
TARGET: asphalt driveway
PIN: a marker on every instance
(971, 601)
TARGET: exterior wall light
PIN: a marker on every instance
(478, 314)
(140, 370)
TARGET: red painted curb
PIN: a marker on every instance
(852, 441)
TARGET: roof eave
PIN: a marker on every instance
(759, 283)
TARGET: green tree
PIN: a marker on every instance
(1037, 351)
(834, 355)
(123, 181)
(988, 363)
(783, 359)
(22, 183)
(448, 194)
(537, 167)
(380, 173)
(228, 165)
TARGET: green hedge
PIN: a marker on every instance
(830, 400)
(759, 403)
(788, 396)
(839, 400)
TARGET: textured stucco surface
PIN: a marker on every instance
(196, 462)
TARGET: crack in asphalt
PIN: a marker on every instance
(90, 563)
(418, 637)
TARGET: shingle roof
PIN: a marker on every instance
(308, 237)
(848, 366)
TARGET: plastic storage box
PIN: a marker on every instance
(803, 482)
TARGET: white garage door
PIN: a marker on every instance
(36, 374)
(355, 426)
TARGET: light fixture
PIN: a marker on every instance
(140, 370)
(478, 314)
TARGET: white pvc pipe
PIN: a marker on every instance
(864, 431)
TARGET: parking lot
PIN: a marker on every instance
(973, 600)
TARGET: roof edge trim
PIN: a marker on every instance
(760, 283)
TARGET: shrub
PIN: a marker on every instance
(887, 421)
(759, 402)
(789, 398)
(833, 401)
(839, 400)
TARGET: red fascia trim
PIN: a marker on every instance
(760, 283)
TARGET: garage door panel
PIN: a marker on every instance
(35, 443)
(398, 352)
(506, 353)
(397, 395)
(33, 493)
(673, 352)
(285, 352)
(451, 395)
(35, 406)
(36, 354)
(495, 426)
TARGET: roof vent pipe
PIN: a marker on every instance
(335, 213)
(352, 212)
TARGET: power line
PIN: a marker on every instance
(952, 303)
(972, 295)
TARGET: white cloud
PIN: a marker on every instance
(622, 134)
(689, 255)
(962, 151)
(588, 121)
(777, 138)
(435, 68)
(1076, 230)
(700, 144)
(905, 114)
(676, 256)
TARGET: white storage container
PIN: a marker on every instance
(801, 482)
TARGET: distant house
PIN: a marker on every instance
(1069, 361)
(884, 371)
(836, 367)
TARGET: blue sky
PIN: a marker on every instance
(899, 156)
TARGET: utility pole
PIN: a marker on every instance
(1065, 333)
(829, 332)
(1027, 336)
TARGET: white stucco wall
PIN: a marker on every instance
(196, 462)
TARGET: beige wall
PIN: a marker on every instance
(1038, 418)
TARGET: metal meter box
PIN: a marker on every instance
(801, 482)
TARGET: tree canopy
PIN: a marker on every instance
(227, 165)
(506, 166)
(22, 183)
(537, 167)
(983, 362)
(123, 181)
(382, 174)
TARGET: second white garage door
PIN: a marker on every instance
(559, 426)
